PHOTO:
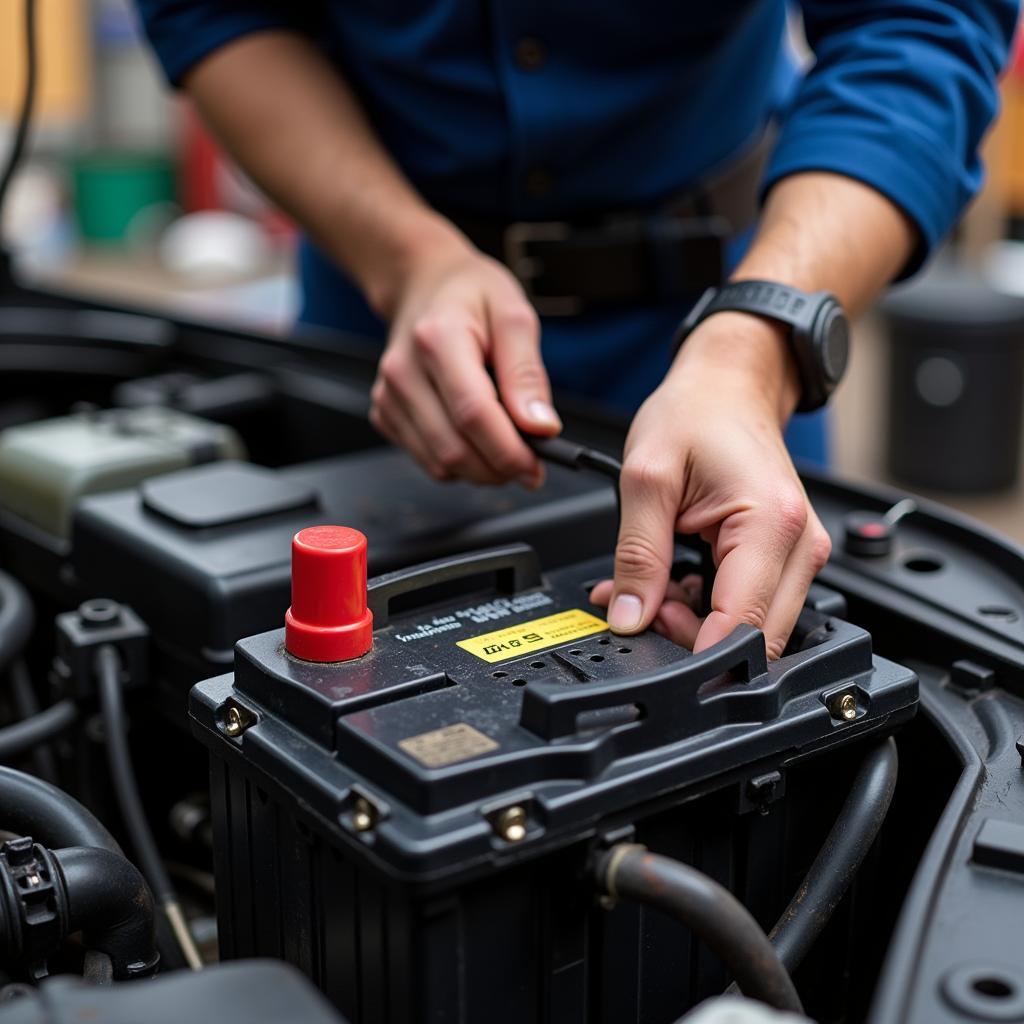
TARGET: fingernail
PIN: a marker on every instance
(625, 613)
(541, 412)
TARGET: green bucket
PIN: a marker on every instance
(111, 190)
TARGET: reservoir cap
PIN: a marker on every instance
(328, 619)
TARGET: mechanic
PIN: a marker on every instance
(612, 154)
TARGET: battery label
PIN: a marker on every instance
(448, 745)
(536, 635)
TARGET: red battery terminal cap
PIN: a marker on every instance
(328, 619)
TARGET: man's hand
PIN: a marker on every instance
(456, 315)
(705, 455)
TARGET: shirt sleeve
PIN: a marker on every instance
(899, 97)
(183, 32)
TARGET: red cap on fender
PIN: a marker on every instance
(328, 619)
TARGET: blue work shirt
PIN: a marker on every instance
(539, 109)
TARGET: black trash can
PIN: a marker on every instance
(956, 378)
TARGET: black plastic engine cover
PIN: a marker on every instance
(218, 538)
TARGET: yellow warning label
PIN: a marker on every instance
(536, 635)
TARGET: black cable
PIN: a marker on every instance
(27, 103)
(23, 736)
(32, 807)
(839, 859)
(108, 672)
(26, 704)
(629, 872)
(16, 619)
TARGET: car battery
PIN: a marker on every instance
(218, 539)
(409, 789)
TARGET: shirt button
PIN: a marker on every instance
(539, 181)
(530, 53)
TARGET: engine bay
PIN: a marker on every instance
(489, 807)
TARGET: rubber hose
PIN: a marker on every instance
(23, 736)
(32, 807)
(629, 872)
(109, 901)
(839, 859)
(26, 704)
(97, 968)
(108, 671)
(16, 619)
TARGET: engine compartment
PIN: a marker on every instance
(425, 832)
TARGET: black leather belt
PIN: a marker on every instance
(645, 257)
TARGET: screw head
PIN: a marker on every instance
(364, 816)
(845, 707)
(511, 824)
(234, 725)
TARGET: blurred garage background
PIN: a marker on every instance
(126, 196)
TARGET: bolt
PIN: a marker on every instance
(364, 815)
(235, 724)
(845, 707)
(511, 824)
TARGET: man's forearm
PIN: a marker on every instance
(828, 232)
(290, 120)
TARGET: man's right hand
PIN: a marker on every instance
(454, 316)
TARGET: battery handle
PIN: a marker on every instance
(667, 697)
(515, 567)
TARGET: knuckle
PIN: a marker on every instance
(646, 476)
(505, 464)
(451, 457)
(392, 371)
(820, 548)
(791, 515)
(518, 316)
(526, 375)
(468, 414)
(429, 332)
(637, 558)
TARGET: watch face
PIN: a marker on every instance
(835, 345)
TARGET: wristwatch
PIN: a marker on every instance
(819, 332)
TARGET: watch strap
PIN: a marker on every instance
(796, 309)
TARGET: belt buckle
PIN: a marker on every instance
(527, 269)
